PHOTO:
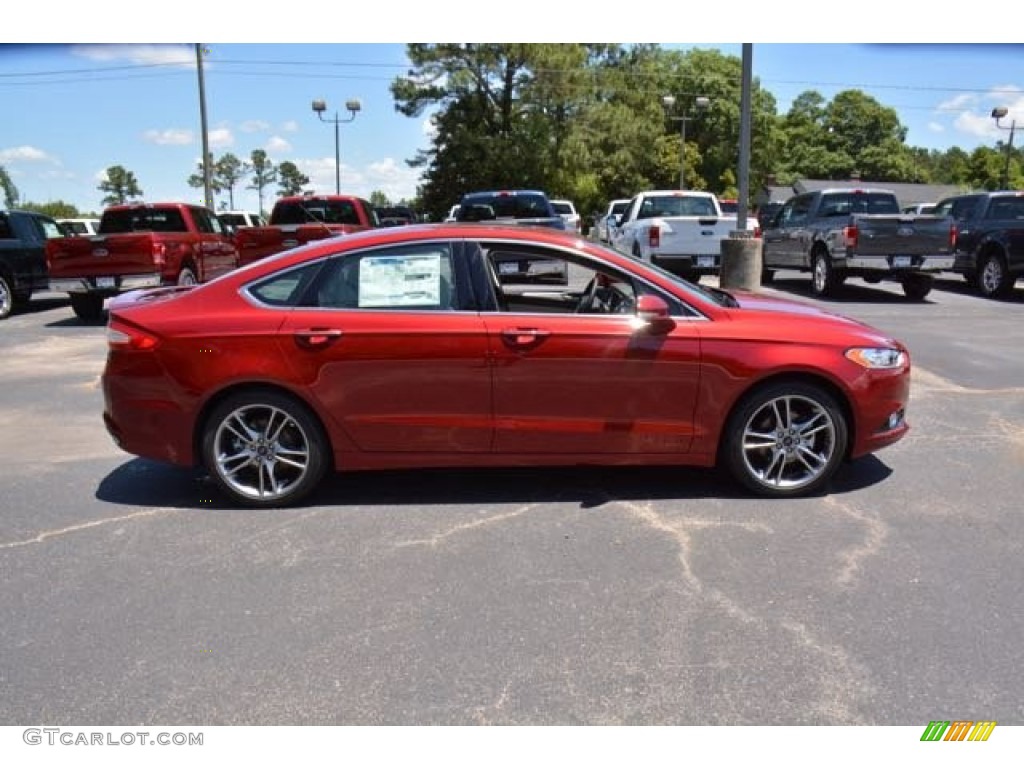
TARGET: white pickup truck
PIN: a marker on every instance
(680, 230)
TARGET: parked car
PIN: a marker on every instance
(395, 216)
(511, 206)
(611, 218)
(767, 212)
(919, 208)
(729, 205)
(452, 213)
(80, 226)
(23, 238)
(408, 347)
(139, 246)
(990, 239)
(239, 219)
(567, 211)
(839, 233)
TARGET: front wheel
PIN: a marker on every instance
(264, 449)
(187, 276)
(916, 287)
(786, 439)
(88, 306)
(6, 297)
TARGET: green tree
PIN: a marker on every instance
(198, 180)
(10, 191)
(378, 199)
(56, 209)
(120, 186)
(264, 173)
(228, 171)
(290, 179)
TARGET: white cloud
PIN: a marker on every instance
(180, 55)
(26, 154)
(936, 127)
(221, 137)
(961, 101)
(290, 126)
(169, 136)
(254, 126)
(275, 144)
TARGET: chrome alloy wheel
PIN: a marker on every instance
(991, 277)
(821, 268)
(6, 298)
(261, 452)
(789, 442)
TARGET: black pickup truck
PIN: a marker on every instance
(840, 233)
(989, 239)
(23, 237)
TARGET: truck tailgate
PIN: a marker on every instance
(121, 254)
(903, 235)
(692, 235)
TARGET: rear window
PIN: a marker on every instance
(676, 205)
(563, 208)
(843, 204)
(508, 206)
(316, 211)
(142, 220)
(620, 208)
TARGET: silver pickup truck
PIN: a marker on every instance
(840, 233)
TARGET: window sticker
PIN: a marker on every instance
(400, 281)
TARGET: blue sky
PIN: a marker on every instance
(72, 110)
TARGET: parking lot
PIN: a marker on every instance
(583, 596)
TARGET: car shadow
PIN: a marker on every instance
(853, 291)
(36, 305)
(144, 483)
(76, 322)
(961, 287)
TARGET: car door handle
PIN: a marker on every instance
(312, 338)
(524, 337)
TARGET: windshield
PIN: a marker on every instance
(676, 205)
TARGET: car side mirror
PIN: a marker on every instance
(653, 313)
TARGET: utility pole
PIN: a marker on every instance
(207, 171)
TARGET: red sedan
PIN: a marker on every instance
(480, 346)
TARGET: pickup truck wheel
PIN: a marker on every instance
(824, 277)
(88, 306)
(187, 276)
(916, 287)
(785, 439)
(264, 448)
(6, 297)
(767, 276)
(993, 280)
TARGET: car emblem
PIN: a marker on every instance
(100, 252)
(905, 231)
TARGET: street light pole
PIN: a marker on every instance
(700, 103)
(353, 106)
(998, 114)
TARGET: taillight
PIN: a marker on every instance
(952, 237)
(159, 254)
(850, 234)
(654, 237)
(121, 336)
(757, 231)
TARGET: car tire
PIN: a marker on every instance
(7, 299)
(187, 276)
(916, 287)
(88, 306)
(993, 279)
(785, 439)
(825, 279)
(767, 276)
(264, 448)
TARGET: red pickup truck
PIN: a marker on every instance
(298, 220)
(139, 246)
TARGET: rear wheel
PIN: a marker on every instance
(785, 439)
(6, 297)
(187, 276)
(916, 287)
(825, 278)
(264, 448)
(88, 306)
(767, 276)
(993, 279)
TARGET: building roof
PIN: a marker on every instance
(907, 194)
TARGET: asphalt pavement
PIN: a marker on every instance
(133, 594)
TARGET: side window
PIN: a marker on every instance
(801, 208)
(416, 277)
(202, 220)
(532, 280)
(964, 209)
(5, 228)
(285, 289)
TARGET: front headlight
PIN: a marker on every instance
(877, 357)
